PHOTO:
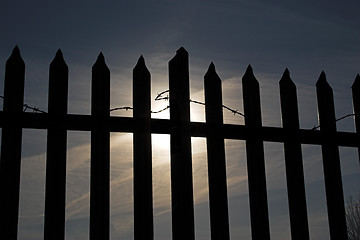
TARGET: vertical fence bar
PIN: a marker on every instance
(356, 104)
(55, 189)
(180, 148)
(331, 161)
(100, 152)
(255, 158)
(143, 199)
(11, 145)
(219, 216)
(293, 160)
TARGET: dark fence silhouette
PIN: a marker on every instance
(13, 119)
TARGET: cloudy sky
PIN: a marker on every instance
(304, 36)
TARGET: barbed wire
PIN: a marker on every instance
(166, 98)
(27, 107)
(161, 110)
(160, 97)
(337, 120)
(34, 109)
(121, 108)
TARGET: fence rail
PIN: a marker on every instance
(57, 122)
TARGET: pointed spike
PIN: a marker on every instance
(16, 53)
(287, 72)
(211, 67)
(16, 56)
(251, 98)
(14, 82)
(58, 60)
(100, 60)
(181, 50)
(59, 53)
(286, 77)
(249, 70)
(100, 63)
(322, 74)
(101, 55)
(322, 79)
(59, 56)
(181, 53)
(211, 72)
(141, 61)
(250, 86)
(249, 73)
(140, 65)
(249, 77)
(181, 57)
(16, 50)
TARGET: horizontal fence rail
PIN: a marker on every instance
(57, 122)
(76, 122)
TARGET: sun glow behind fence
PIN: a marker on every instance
(183, 170)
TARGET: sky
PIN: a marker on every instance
(306, 37)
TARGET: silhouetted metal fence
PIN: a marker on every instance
(13, 119)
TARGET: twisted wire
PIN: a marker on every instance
(160, 97)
